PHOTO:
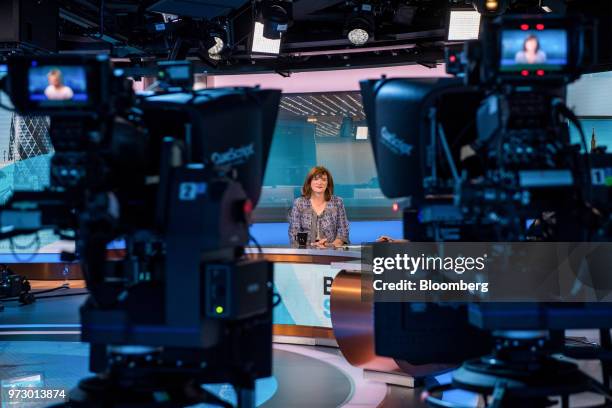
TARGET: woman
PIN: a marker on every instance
(318, 212)
(531, 53)
(57, 91)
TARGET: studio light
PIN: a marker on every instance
(361, 133)
(359, 27)
(275, 20)
(215, 42)
(463, 25)
(261, 44)
(491, 7)
(214, 51)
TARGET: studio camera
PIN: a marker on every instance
(490, 151)
(488, 157)
(175, 176)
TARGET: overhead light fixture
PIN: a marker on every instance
(491, 7)
(361, 133)
(214, 51)
(214, 43)
(463, 25)
(275, 20)
(358, 35)
(359, 27)
(261, 44)
(547, 9)
(216, 40)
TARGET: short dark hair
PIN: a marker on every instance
(314, 172)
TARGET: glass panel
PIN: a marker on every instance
(602, 128)
(326, 129)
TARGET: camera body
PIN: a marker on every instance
(154, 171)
(529, 50)
(490, 152)
(487, 157)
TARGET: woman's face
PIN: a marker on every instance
(318, 184)
(531, 45)
(55, 80)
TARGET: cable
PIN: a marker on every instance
(39, 292)
(568, 114)
(26, 246)
(8, 108)
(3, 88)
(64, 286)
(14, 299)
(252, 239)
(101, 27)
(63, 295)
(276, 297)
(35, 242)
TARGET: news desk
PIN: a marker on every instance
(320, 303)
(302, 277)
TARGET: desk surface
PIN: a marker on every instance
(344, 252)
(352, 251)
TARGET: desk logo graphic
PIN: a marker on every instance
(394, 143)
(234, 156)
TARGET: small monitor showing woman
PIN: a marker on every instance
(318, 217)
(57, 90)
(531, 52)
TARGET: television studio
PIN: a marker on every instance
(300, 203)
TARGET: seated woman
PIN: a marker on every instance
(318, 212)
(531, 52)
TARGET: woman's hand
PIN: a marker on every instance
(338, 243)
(320, 243)
(384, 238)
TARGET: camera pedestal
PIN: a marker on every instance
(519, 375)
(101, 391)
(139, 377)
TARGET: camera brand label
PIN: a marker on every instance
(234, 155)
(189, 191)
(394, 143)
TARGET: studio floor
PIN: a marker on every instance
(40, 343)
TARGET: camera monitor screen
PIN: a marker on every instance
(57, 85)
(533, 48)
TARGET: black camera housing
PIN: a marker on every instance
(97, 71)
(580, 46)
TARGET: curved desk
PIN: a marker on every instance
(352, 314)
(321, 302)
(303, 278)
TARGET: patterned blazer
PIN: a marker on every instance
(332, 223)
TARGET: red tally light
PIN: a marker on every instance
(247, 207)
(525, 72)
(524, 27)
(452, 58)
(540, 72)
(539, 27)
(395, 207)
